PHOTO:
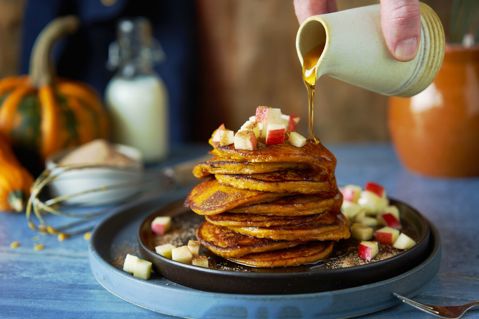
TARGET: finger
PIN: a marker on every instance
(307, 8)
(400, 22)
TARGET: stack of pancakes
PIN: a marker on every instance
(275, 206)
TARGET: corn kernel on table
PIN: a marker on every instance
(56, 282)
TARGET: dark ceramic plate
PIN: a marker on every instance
(223, 276)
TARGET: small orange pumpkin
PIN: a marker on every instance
(45, 114)
(15, 181)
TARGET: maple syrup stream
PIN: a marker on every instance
(310, 70)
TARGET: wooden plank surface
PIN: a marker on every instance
(57, 282)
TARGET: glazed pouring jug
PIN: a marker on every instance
(354, 51)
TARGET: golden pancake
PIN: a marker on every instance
(226, 243)
(300, 255)
(251, 220)
(298, 205)
(313, 155)
(292, 181)
(217, 165)
(314, 231)
(211, 197)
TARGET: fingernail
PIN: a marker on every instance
(406, 49)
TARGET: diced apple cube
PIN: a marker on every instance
(275, 134)
(143, 269)
(375, 188)
(261, 113)
(386, 235)
(351, 193)
(140, 268)
(194, 247)
(367, 221)
(268, 114)
(361, 232)
(201, 261)
(296, 139)
(351, 209)
(161, 224)
(164, 250)
(391, 217)
(371, 202)
(227, 138)
(273, 115)
(404, 242)
(290, 122)
(390, 220)
(216, 136)
(182, 254)
(367, 250)
(360, 215)
(392, 210)
(251, 126)
(129, 265)
(245, 140)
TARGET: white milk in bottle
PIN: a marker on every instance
(136, 97)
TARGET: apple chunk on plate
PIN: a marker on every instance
(140, 268)
(361, 232)
(351, 193)
(386, 235)
(160, 225)
(375, 188)
(182, 254)
(404, 242)
(164, 250)
(367, 250)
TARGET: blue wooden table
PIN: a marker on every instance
(57, 283)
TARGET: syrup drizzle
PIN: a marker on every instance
(310, 71)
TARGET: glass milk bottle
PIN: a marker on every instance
(136, 97)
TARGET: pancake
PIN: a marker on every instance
(211, 197)
(251, 220)
(300, 255)
(314, 231)
(226, 243)
(315, 156)
(217, 165)
(297, 205)
(292, 181)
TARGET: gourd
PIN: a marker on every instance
(42, 113)
(15, 181)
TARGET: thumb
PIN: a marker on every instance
(400, 22)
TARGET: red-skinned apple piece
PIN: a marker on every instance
(160, 225)
(275, 134)
(367, 250)
(386, 235)
(390, 220)
(351, 193)
(375, 188)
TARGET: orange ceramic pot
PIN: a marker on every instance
(436, 132)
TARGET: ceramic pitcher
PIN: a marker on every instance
(354, 51)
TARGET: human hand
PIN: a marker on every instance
(400, 22)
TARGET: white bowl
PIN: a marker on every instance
(83, 179)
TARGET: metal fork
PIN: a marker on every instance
(453, 312)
